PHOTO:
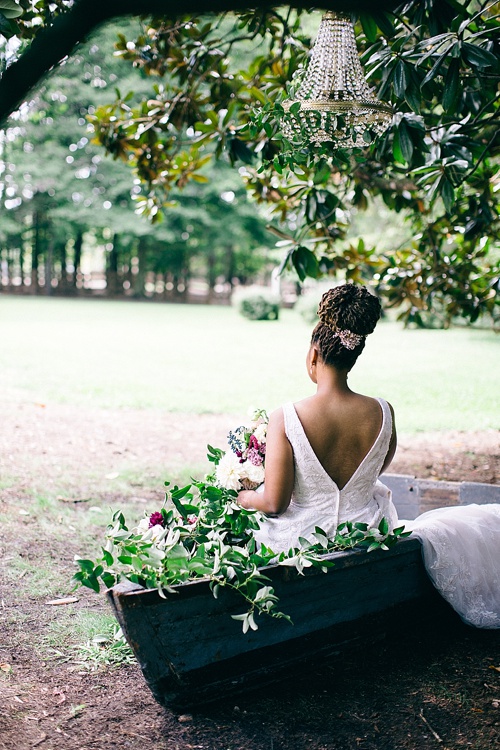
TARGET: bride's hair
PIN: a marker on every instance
(347, 314)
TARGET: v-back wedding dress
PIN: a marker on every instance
(461, 545)
(316, 499)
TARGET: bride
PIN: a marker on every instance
(324, 456)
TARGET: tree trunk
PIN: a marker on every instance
(140, 276)
(36, 248)
(63, 257)
(77, 257)
(211, 275)
(49, 265)
(112, 269)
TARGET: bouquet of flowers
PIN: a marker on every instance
(242, 466)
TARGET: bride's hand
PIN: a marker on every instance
(246, 499)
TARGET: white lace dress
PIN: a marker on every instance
(461, 545)
(461, 548)
(316, 499)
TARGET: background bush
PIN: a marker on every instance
(260, 305)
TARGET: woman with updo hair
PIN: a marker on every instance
(324, 454)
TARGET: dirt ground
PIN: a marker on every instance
(435, 687)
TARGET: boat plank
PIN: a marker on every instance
(182, 642)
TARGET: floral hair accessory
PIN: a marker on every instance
(347, 338)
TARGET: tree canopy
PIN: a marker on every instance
(217, 87)
(68, 222)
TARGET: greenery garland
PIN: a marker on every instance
(201, 532)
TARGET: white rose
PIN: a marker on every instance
(228, 472)
(254, 473)
(143, 526)
(260, 433)
(156, 532)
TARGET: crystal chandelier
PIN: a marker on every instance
(335, 102)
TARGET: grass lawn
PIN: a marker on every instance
(209, 359)
(101, 356)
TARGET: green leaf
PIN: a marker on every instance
(10, 9)
(433, 72)
(369, 26)
(452, 87)
(108, 579)
(107, 557)
(125, 559)
(405, 141)
(447, 193)
(478, 56)
(383, 526)
(8, 28)
(400, 79)
(396, 148)
(180, 493)
(241, 151)
(86, 565)
(384, 22)
(91, 583)
(305, 263)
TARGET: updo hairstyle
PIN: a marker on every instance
(345, 310)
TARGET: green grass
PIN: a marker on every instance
(104, 354)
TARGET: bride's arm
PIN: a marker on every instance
(279, 480)
(392, 445)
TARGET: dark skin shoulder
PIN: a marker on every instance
(342, 431)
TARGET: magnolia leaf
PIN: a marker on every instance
(452, 87)
(405, 142)
(10, 9)
(400, 79)
(478, 56)
(447, 193)
(8, 28)
(369, 26)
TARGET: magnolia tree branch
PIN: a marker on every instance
(54, 43)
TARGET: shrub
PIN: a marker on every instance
(307, 303)
(259, 305)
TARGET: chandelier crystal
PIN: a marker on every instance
(335, 102)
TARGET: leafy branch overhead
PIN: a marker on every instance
(217, 87)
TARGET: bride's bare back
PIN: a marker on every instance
(341, 429)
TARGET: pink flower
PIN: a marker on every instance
(254, 457)
(156, 519)
(253, 442)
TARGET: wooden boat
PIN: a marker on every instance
(191, 651)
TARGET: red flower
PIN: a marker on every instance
(156, 519)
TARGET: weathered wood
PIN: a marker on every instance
(191, 651)
(415, 496)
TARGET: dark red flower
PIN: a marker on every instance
(156, 519)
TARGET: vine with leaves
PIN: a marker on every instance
(201, 532)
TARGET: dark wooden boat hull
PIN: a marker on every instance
(191, 651)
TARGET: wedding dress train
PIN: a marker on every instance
(461, 549)
(461, 545)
